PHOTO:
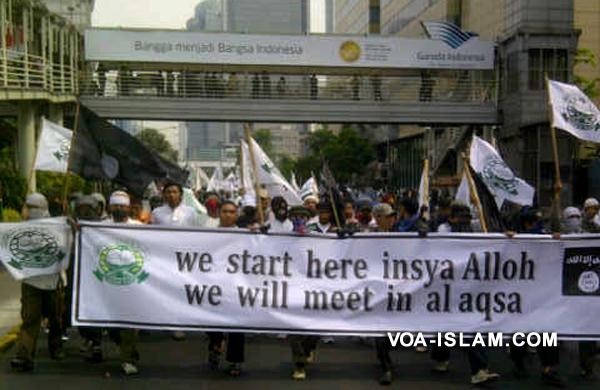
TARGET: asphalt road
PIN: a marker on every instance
(346, 364)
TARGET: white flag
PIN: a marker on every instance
(463, 193)
(294, 183)
(310, 187)
(497, 176)
(53, 148)
(271, 178)
(247, 183)
(231, 183)
(573, 111)
(216, 180)
(424, 189)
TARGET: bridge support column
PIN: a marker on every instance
(56, 114)
(26, 142)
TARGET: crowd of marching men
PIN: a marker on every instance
(48, 296)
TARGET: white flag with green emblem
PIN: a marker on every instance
(34, 248)
(573, 111)
(310, 187)
(497, 176)
(271, 177)
(53, 148)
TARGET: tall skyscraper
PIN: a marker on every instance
(205, 141)
(78, 12)
(251, 17)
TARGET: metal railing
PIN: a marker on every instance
(114, 84)
(31, 73)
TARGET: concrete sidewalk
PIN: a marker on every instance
(10, 306)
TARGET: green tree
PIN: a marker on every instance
(586, 58)
(347, 154)
(157, 142)
(12, 186)
(286, 165)
(52, 185)
(264, 138)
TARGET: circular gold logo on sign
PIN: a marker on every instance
(350, 51)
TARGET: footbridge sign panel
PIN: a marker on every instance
(172, 46)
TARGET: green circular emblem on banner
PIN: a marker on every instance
(63, 150)
(581, 114)
(498, 175)
(121, 265)
(33, 248)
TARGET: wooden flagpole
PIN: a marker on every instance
(242, 165)
(261, 213)
(473, 192)
(558, 185)
(32, 168)
(67, 182)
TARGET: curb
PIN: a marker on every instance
(8, 340)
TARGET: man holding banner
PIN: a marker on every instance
(228, 215)
(44, 252)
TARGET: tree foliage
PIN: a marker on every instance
(586, 57)
(264, 138)
(347, 154)
(157, 142)
(12, 186)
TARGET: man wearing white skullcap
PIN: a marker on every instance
(101, 204)
(39, 297)
(119, 206)
(591, 206)
(571, 222)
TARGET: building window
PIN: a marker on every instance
(512, 72)
(550, 62)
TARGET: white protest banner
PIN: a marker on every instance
(573, 111)
(153, 277)
(33, 248)
(53, 148)
(497, 175)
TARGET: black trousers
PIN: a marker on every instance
(587, 350)
(383, 349)
(235, 345)
(477, 357)
(549, 356)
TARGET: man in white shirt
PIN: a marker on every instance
(39, 297)
(175, 213)
(279, 221)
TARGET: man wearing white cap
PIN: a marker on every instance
(311, 201)
(590, 212)
(39, 297)
(119, 206)
(571, 222)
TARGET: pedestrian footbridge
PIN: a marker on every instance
(206, 96)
